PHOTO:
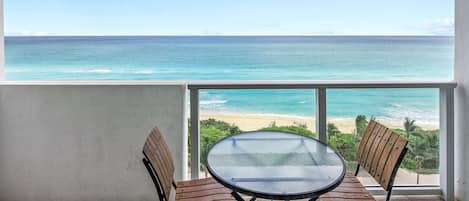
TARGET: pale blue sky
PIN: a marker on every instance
(229, 17)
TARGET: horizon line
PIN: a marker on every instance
(233, 35)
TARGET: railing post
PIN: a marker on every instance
(447, 142)
(195, 133)
(321, 115)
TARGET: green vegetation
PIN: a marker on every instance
(422, 156)
(409, 126)
(299, 129)
(212, 131)
(332, 130)
(347, 146)
(360, 124)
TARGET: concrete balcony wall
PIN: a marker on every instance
(81, 141)
(2, 42)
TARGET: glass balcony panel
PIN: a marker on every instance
(227, 112)
(350, 109)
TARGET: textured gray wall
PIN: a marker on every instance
(78, 142)
(462, 100)
(2, 41)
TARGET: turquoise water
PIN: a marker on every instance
(251, 58)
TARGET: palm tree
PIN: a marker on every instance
(409, 126)
(361, 123)
(332, 130)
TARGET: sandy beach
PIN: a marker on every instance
(249, 122)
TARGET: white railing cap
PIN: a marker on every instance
(305, 84)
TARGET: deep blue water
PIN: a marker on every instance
(251, 58)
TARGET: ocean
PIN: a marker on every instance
(252, 58)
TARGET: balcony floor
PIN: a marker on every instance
(398, 198)
(411, 198)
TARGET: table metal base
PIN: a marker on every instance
(239, 198)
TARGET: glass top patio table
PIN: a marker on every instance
(275, 165)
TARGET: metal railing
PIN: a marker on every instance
(446, 106)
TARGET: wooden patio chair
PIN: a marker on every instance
(380, 153)
(159, 164)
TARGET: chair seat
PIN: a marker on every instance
(202, 190)
(350, 190)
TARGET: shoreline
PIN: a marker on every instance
(256, 121)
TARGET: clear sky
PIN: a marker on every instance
(229, 17)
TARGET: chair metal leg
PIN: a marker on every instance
(388, 195)
(237, 196)
(357, 170)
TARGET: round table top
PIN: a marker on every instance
(275, 165)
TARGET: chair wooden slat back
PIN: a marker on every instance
(380, 152)
(157, 152)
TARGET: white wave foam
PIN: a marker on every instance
(16, 70)
(97, 70)
(276, 115)
(213, 102)
(145, 72)
(100, 70)
(397, 113)
(53, 70)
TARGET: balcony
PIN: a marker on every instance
(88, 135)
